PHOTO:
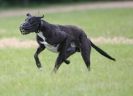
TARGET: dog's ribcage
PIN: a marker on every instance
(47, 45)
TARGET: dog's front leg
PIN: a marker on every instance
(38, 51)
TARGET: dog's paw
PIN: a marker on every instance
(40, 69)
(67, 61)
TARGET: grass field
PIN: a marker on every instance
(20, 77)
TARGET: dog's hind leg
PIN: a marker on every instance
(60, 60)
(70, 51)
(67, 61)
(85, 51)
(58, 63)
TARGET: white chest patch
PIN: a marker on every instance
(47, 45)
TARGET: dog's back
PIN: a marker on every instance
(74, 31)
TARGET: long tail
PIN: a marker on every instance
(102, 52)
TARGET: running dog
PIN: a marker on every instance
(62, 39)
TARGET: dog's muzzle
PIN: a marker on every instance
(24, 29)
(27, 28)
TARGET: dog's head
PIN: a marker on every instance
(31, 24)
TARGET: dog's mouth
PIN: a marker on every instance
(23, 31)
(26, 29)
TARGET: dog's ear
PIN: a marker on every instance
(41, 16)
(28, 14)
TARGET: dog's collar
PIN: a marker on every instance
(41, 23)
(40, 27)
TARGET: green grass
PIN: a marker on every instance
(19, 75)
(102, 22)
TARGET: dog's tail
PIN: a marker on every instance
(101, 51)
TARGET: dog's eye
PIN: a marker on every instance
(30, 20)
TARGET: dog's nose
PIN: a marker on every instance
(21, 28)
(23, 25)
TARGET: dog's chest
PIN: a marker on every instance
(46, 44)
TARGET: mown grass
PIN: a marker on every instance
(19, 75)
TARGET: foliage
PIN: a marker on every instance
(12, 3)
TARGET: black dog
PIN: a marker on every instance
(65, 40)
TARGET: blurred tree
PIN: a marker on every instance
(27, 2)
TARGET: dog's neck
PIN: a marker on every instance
(44, 25)
(45, 28)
